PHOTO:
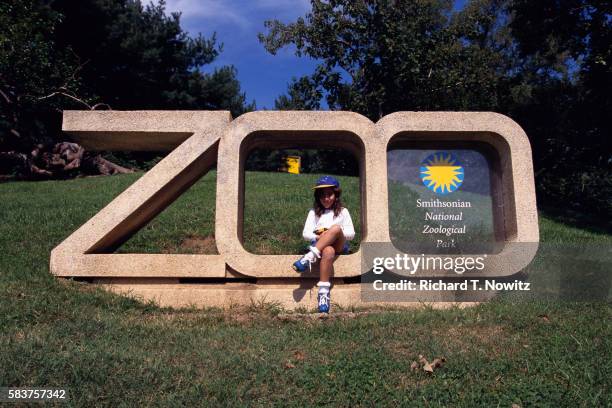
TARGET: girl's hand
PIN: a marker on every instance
(319, 231)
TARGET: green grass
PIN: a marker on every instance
(276, 205)
(114, 351)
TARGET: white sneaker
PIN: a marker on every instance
(308, 259)
(324, 301)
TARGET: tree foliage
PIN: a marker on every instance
(546, 64)
(566, 52)
(379, 57)
(331, 161)
(30, 68)
(101, 54)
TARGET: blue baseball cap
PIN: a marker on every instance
(327, 181)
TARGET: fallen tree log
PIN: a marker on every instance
(62, 160)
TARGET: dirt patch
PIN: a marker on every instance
(19, 336)
(265, 248)
(199, 245)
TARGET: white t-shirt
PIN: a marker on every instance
(326, 220)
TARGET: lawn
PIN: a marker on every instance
(115, 351)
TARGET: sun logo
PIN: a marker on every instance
(442, 173)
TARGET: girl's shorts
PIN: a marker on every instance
(345, 248)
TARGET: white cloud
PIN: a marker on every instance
(212, 11)
(240, 13)
(295, 6)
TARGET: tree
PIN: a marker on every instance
(303, 94)
(566, 51)
(382, 56)
(31, 67)
(546, 64)
(135, 56)
(100, 54)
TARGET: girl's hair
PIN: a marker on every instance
(336, 206)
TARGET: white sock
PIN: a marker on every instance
(324, 287)
(309, 257)
(315, 251)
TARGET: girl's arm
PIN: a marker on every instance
(347, 225)
(309, 227)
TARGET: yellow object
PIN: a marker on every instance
(293, 164)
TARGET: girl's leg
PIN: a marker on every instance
(332, 237)
(330, 244)
(339, 244)
(327, 260)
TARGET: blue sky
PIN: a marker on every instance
(262, 76)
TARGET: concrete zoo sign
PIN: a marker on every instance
(197, 140)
